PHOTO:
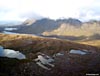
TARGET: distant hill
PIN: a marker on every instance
(66, 27)
(86, 29)
(45, 24)
(70, 21)
(70, 28)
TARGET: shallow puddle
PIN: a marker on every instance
(81, 52)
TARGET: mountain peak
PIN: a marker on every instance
(29, 21)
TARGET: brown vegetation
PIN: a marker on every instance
(69, 64)
(33, 43)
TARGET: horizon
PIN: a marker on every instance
(18, 22)
(20, 10)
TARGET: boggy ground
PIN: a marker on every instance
(65, 65)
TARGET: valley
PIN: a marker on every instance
(48, 47)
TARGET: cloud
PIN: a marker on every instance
(90, 12)
(82, 9)
(10, 16)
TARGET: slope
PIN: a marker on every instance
(64, 63)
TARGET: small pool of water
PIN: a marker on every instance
(10, 29)
(11, 53)
(81, 52)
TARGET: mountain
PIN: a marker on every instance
(70, 21)
(39, 26)
(45, 24)
(15, 24)
(47, 56)
(29, 21)
(86, 29)
(68, 29)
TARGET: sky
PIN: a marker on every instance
(54, 9)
